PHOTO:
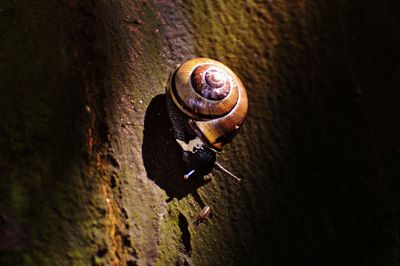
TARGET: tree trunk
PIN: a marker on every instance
(90, 172)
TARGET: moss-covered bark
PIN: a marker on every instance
(90, 172)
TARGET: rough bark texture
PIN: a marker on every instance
(90, 172)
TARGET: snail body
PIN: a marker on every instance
(212, 97)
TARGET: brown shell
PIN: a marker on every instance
(215, 116)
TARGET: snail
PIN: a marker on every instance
(207, 104)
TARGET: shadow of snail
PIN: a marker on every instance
(162, 155)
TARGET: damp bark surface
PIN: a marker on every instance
(90, 173)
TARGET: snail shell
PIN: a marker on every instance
(213, 98)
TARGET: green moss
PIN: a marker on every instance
(170, 244)
(18, 196)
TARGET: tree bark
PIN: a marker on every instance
(90, 172)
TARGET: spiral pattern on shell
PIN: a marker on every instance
(211, 82)
(203, 88)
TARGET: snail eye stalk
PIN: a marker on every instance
(188, 174)
(226, 171)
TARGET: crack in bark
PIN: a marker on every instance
(185, 237)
